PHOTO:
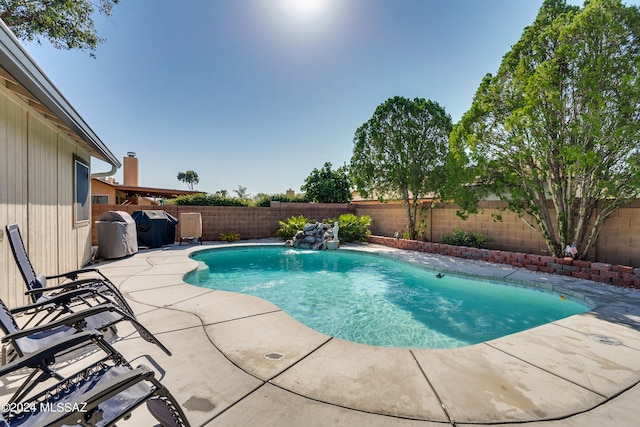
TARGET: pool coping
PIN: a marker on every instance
(555, 373)
(547, 288)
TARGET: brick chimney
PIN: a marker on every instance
(130, 170)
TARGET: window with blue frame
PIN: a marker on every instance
(82, 200)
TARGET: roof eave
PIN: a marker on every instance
(17, 62)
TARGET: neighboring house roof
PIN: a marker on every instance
(149, 191)
(40, 92)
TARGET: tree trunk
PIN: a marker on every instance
(411, 213)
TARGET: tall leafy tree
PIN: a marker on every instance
(401, 152)
(190, 178)
(66, 24)
(328, 186)
(555, 133)
(241, 192)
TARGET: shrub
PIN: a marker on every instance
(209, 200)
(265, 199)
(229, 237)
(352, 227)
(291, 226)
(466, 238)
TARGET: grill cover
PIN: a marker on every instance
(190, 226)
(155, 228)
(117, 235)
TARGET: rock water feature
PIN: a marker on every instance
(316, 236)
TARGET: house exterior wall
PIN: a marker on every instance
(101, 188)
(36, 192)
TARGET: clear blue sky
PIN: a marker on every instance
(259, 92)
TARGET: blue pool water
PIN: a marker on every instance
(372, 299)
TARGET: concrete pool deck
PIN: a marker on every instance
(239, 360)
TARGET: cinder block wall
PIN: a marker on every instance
(249, 222)
(510, 234)
(618, 243)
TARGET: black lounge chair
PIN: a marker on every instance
(37, 283)
(20, 342)
(49, 308)
(99, 394)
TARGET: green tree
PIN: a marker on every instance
(189, 177)
(555, 132)
(328, 186)
(66, 24)
(401, 152)
(241, 192)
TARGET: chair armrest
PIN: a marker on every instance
(47, 355)
(58, 299)
(73, 275)
(69, 321)
(105, 390)
(69, 285)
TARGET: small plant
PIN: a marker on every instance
(291, 226)
(229, 237)
(466, 238)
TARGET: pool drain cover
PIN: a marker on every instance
(605, 340)
(274, 356)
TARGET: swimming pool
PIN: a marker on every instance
(373, 299)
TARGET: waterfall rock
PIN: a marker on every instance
(318, 236)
